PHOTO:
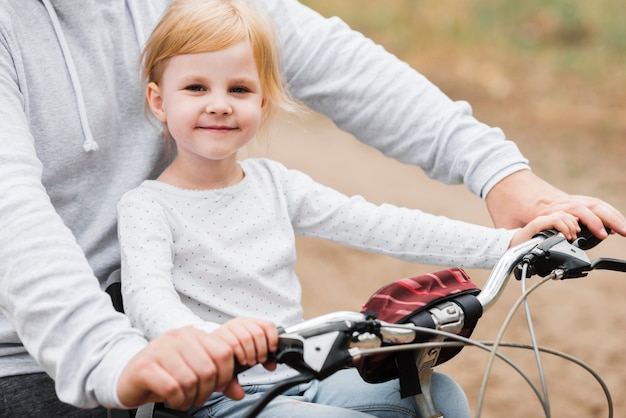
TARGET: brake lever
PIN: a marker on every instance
(320, 354)
(321, 345)
(557, 253)
(554, 253)
(612, 264)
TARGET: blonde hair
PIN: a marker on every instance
(195, 26)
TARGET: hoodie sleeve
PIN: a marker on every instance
(387, 104)
(49, 293)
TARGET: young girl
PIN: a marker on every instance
(212, 240)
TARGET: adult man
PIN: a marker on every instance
(73, 139)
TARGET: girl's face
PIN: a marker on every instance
(211, 102)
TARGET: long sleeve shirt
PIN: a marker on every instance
(201, 257)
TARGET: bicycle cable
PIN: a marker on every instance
(460, 341)
(487, 346)
(578, 362)
(494, 349)
(277, 389)
(533, 339)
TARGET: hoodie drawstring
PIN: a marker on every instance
(89, 144)
(134, 14)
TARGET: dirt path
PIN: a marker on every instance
(585, 318)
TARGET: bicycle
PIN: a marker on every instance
(321, 346)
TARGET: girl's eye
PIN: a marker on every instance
(194, 87)
(239, 89)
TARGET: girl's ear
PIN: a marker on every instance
(155, 101)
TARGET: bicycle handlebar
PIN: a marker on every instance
(548, 252)
(495, 284)
(320, 346)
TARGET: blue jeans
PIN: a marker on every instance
(342, 395)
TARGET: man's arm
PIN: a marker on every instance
(50, 295)
(387, 104)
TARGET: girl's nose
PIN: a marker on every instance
(218, 106)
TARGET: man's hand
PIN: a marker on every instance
(183, 368)
(522, 196)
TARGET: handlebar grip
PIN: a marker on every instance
(586, 239)
(240, 368)
(271, 356)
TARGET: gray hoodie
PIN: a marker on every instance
(73, 139)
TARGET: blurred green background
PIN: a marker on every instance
(551, 73)
(587, 37)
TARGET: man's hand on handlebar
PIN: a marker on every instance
(182, 367)
(522, 196)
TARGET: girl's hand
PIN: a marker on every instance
(251, 339)
(564, 222)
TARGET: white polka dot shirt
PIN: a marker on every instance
(201, 257)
